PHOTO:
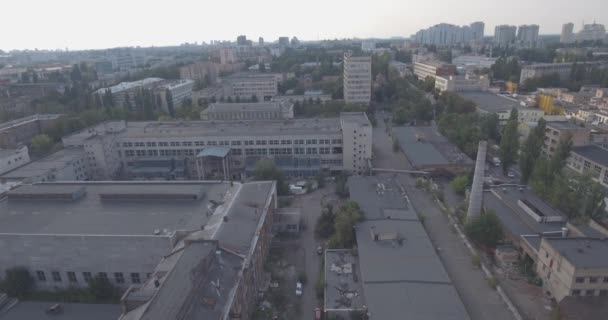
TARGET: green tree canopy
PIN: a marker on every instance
(17, 282)
(346, 218)
(459, 184)
(485, 229)
(530, 151)
(41, 144)
(266, 169)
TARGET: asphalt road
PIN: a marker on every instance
(482, 302)
(310, 205)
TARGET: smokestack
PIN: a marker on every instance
(476, 195)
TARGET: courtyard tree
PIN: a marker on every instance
(17, 282)
(265, 170)
(485, 229)
(509, 144)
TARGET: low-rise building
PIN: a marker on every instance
(488, 102)
(344, 289)
(433, 68)
(206, 72)
(248, 111)
(557, 131)
(13, 158)
(244, 85)
(472, 61)
(70, 164)
(21, 131)
(462, 83)
(573, 266)
(307, 98)
(427, 150)
(400, 67)
(592, 160)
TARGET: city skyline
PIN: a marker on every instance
(189, 21)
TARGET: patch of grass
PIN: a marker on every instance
(476, 261)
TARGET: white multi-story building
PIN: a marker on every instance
(504, 35)
(357, 79)
(13, 158)
(263, 86)
(527, 35)
(179, 90)
(474, 61)
(201, 71)
(541, 69)
(356, 142)
(122, 90)
(300, 146)
(368, 46)
(567, 35)
(227, 55)
(126, 60)
(592, 160)
(433, 68)
(462, 83)
(477, 31)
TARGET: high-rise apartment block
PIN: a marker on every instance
(527, 35)
(357, 78)
(504, 35)
(445, 34)
(567, 35)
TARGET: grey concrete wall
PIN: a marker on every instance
(82, 253)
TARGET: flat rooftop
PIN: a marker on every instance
(246, 107)
(402, 275)
(344, 287)
(31, 310)
(564, 125)
(235, 128)
(513, 217)
(111, 208)
(490, 102)
(594, 153)
(585, 253)
(43, 166)
(359, 118)
(425, 146)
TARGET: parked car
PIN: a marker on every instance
(54, 309)
(299, 289)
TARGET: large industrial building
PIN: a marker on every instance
(432, 68)
(245, 85)
(249, 111)
(300, 147)
(67, 233)
(397, 273)
(357, 78)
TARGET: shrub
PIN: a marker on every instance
(17, 282)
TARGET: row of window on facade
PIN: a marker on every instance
(231, 143)
(235, 152)
(590, 292)
(72, 277)
(591, 279)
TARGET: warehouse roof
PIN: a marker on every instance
(44, 166)
(344, 289)
(490, 102)
(401, 273)
(112, 208)
(425, 146)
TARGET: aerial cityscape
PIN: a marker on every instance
(444, 171)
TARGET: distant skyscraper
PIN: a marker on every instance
(567, 33)
(504, 35)
(261, 41)
(591, 32)
(241, 40)
(527, 35)
(445, 34)
(477, 30)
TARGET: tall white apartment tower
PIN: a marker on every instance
(357, 78)
(504, 35)
(477, 29)
(567, 35)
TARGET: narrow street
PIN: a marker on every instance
(310, 205)
(482, 302)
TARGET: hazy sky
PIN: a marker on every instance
(83, 24)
